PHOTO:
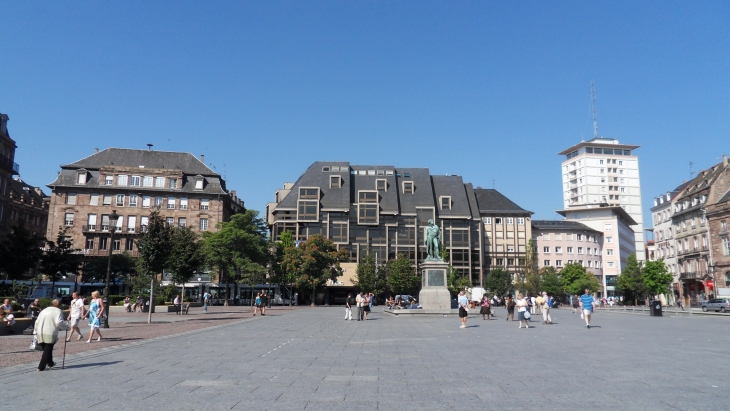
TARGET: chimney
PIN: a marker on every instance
(724, 160)
(202, 158)
(233, 193)
(38, 191)
(96, 150)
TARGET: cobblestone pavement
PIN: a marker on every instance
(126, 328)
(312, 359)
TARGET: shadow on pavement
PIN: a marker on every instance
(93, 364)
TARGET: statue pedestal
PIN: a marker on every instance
(434, 293)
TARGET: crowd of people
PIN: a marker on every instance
(364, 304)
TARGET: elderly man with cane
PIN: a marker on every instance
(49, 322)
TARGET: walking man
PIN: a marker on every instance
(587, 304)
(206, 301)
(78, 312)
(348, 308)
(264, 301)
(359, 300)
(546, 304)
(176, 304)
(463, 303)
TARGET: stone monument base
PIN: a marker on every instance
(434, 295)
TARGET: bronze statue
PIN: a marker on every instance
(433, 242)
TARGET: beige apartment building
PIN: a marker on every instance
(133, 183)
(562, 242)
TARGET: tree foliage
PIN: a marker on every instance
(123, 268)
(314, 262)
(630, 282)
(575, 279)
(154, 249)
(456, 280)
(402, 277)
(530, 281)
(186, 254)
(551, 282)
(655, 277)
(499, 282)
(20, 251)
(371, 276)
(60, 258)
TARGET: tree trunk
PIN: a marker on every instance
(228, 289)
(152, 300)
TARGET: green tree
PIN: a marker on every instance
(630, 282)
(154, 249)
(499, 282)
(60, 258)
(20, 251)
(551, 283)
(655, 278)
(402, 277)
(530, 281)
(575, 279)
(282, 276)
(456, 280)
(314, 262)
(370, 276)
(239, 249)
(186, 256)
(124, 267)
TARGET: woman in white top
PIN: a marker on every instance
(521, 309)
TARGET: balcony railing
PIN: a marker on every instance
(9, 164)
(92, 228)
(103, 253)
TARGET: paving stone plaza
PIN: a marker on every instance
(311, 359)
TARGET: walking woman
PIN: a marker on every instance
(367, 304)
(521, 309)
(46, 328)
(96, 309)
(510, 308)
(486, 310)
(575, 303)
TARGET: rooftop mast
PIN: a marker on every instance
(593, 108)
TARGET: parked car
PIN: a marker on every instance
(717, 304)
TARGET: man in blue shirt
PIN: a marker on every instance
(587, 303)
(463, 303)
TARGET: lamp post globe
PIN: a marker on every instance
(113, 218)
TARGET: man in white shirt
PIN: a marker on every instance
(533, 307)
(463, 303)
(78, 311)
(359, 300)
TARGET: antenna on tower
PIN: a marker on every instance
(691, 173)
(593, 109)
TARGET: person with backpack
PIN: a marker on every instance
(547, 304)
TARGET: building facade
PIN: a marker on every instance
(618, 238)
(562, 242)
(27, 205)
(663, 229)
(384, 211)
(133, 183)
(718, 218)
(8, 169)
(603, 171)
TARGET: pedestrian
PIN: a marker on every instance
(49, 322)
(539, 302)
(366, 305)
(127, 304)
(463, 308)
(96, 309)
(532, 303)
(486, 309)
(587, 303)
(257, 304)
(348, 308)
(510, 308)
(34, 309)
(522, 308)
(206, 302)
(176, 304)
(139, 304)
(546, 305)
(679, 303)
(264, 302)
(359, 301)
(77, 312)
(6, 307)
(574, 302)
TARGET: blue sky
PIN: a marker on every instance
(491, 91)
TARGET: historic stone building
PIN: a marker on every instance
(134, 183)
(663, 229)
(28, 205)
(8, 169)
(718, 218)
(384, 210)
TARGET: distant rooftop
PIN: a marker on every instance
(561, 225)
(599, 142)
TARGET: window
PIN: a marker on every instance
(183, 203)
(487, 220)
(510, 220)
(498, 220)
(558, 263)
(309, 193)
(68, 219)
(108, 180)
(580, 250)
(71, 198)
(559, 250)
(546, 250)
(408, 187)
(172, 183)
(134, 181)
(143, 223)
(120, 200)
(130, 244)
(723, 226)
(81, 178)
(204, 203)
(600, 162)
(146, 201)
(367, 214)
(122, 180)
(726, 246)
(203, 224)
(580, 262)
(381, 185)
(102, 243)
(199, 184)
(569, 250)
(170, 221)
(170, 203)
(147, 181)
(94, 200)
(338, 232)
(325, 169)
(499, 262)
(445, 203)
(609, 251)
(105, 222)
(131, 223)
(607, 227)
(117, 245)
(579, 237)
(546, 263)
(335, 181)
(107, 199)
(159, 181)
(510, 249)
(89, 243)
(158, 201)
(367, 197)
(520, 221)
(92, 223)
(133, 200)
(610, 264)
(182, 222)
(307, 210)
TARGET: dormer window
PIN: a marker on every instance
(408, 187)
(325, 169)
(81, 177)
(309, 193)
(199, 182)
(381, 185)
(108, 180)
(445, 202)
(335, 182)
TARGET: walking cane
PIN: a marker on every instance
(65, 340)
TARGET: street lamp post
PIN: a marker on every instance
(107, 300)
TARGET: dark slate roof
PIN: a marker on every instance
(724, 198)
(423, 190)
(492, 201)
(699, 185)
(452, 186)
(125, 157)
(19, 186)
(330, 198)
(561, 225)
